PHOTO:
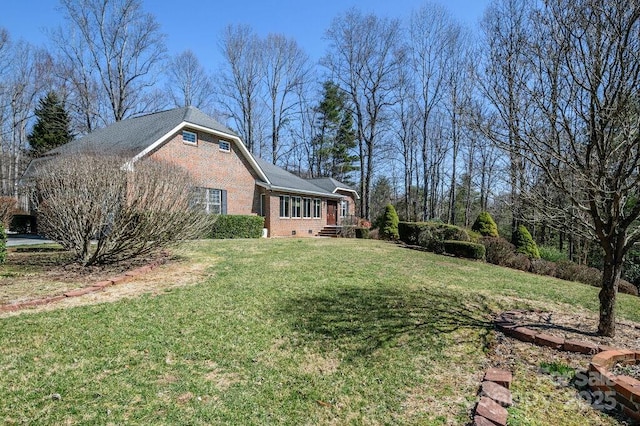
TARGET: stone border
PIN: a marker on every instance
(91, 288)
(494, 398)
(606, 387)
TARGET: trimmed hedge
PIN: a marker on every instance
(464, 249)
(431, 235)
(237, 226)
(3, 244)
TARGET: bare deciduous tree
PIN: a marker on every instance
(106, 211)
(239, 83)
(584, 133)
(363, 59)
(112, 51)
(506, 29)
(188, 82)
(285, 67)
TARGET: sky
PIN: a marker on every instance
(196, 24)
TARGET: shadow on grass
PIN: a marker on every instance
(362, 320)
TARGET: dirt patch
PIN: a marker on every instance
(579, 326)
(173, 274)
(318, 364)
(222, 380)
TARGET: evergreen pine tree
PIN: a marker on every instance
(333, 145)
(52, 128)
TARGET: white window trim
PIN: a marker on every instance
(304, 212)
(195, 137)
(288, 204)
(319, 210)
(293, 208)
(228, 149)
(206, 200)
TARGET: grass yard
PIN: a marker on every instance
(287, 331)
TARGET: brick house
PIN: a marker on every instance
(229, 178)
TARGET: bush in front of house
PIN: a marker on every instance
(389, 227)
(237, 226)
(464, 249)
(362, 233)
(524, 243)
(485, 225)
(3, 244)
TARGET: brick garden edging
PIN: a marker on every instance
(603, 383)
(625, 389)
(91, 288)
(495, 396)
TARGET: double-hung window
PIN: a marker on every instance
(296, 207)
(344, 208)
(306, 208)
(284, 206)
(211, 201)
(317, 208)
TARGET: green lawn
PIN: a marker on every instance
(282, 331)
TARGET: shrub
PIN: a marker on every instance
(389, 228)
(485, 225)
(105, 213)
(524, 243)
(626, 287)
(362, 233)
(518, 261)
(551, 254)
(3, 244)
(237, 226)
(498, 250)
(566, 270)
(464, 249)
(543, 267)
(431, 235)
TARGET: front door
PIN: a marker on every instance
(332, 211)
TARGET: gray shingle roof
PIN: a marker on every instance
(332, 185)
(283, 180)
(131, 136)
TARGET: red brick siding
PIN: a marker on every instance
(212, 168)
(283, 227)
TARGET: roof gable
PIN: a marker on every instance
(332, 185)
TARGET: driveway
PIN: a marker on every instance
(25, 239)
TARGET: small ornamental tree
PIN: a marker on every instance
(524, 243)
(106, 211)
(390, 220)
(485, 225)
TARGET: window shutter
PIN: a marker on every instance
(223, 197)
